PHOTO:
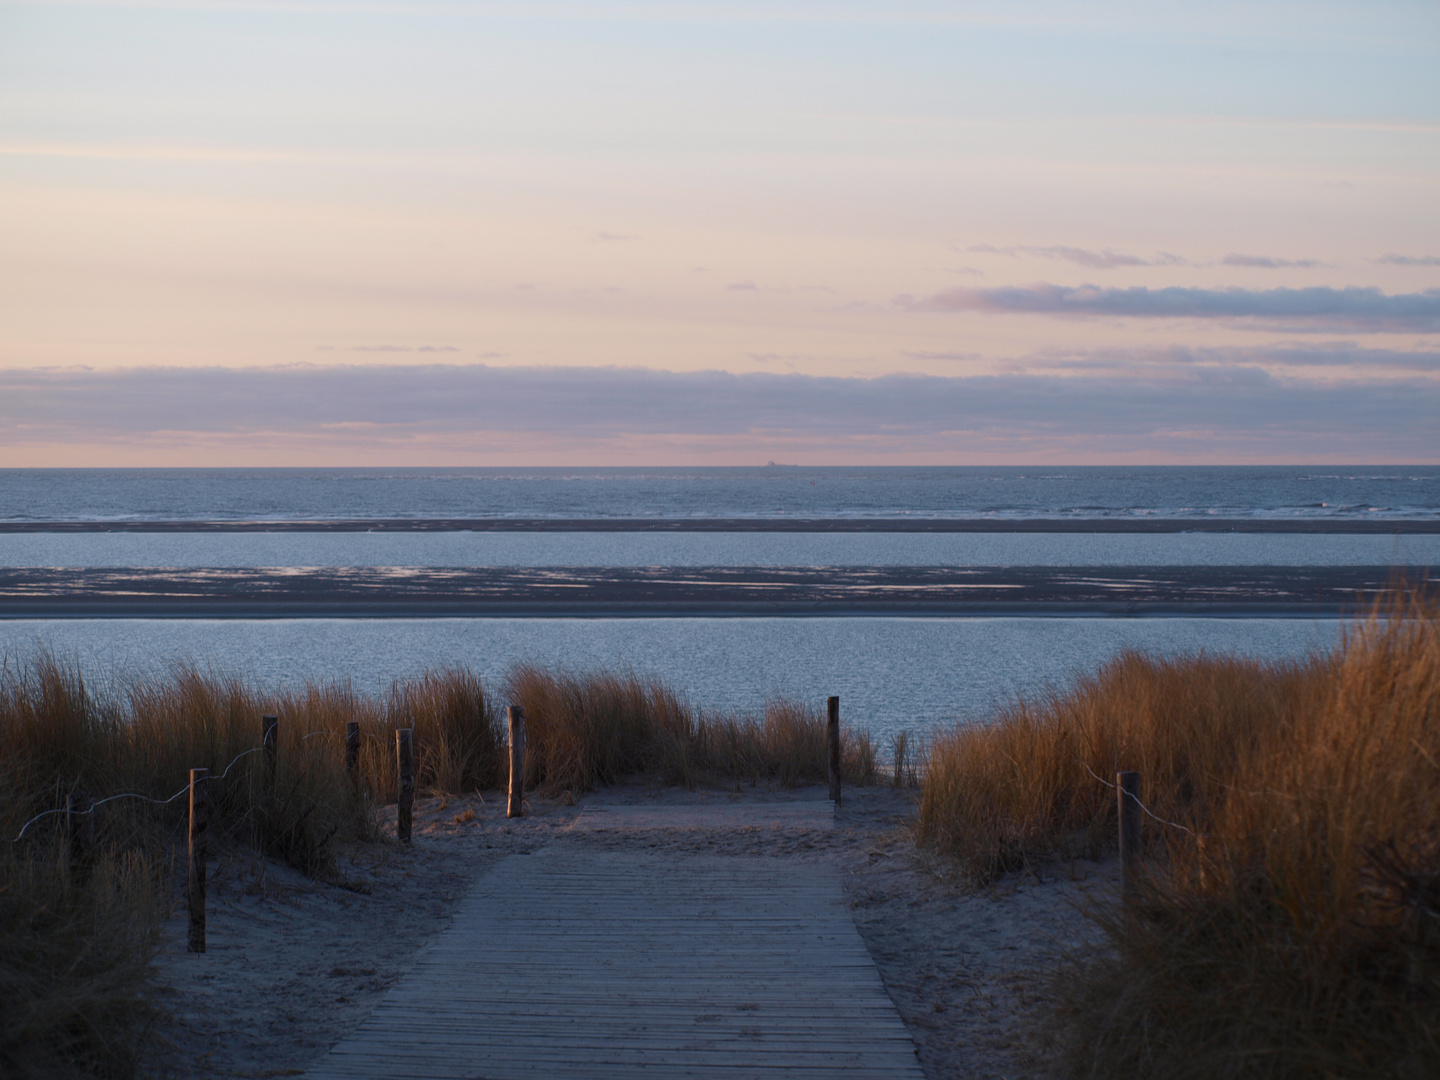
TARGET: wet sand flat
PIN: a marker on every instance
(612, 592)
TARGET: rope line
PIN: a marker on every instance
(1161, 820)
(146, 798)
(1092, 773)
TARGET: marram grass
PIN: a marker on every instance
(1291, 929)
(77, 934)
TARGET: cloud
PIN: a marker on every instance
(1271, 358)
(1148, 405)
(1095, 260)
(1410, 260)
(1302, 310)
(1112, 260)
(742, 286)
(1265, 262)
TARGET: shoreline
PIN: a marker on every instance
(1304, 526)
(1052, 611)
(697, 592)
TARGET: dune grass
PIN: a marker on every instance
(1294, 929)
(75, 944)
(584, 729)
(78, 929)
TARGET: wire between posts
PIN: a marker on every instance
(136, 795)
(1161, 820)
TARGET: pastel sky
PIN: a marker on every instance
(719, 233)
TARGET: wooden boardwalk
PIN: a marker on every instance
(580, 963)
(809, 816)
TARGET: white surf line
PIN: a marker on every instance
(614, 964)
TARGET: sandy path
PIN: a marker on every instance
(295, 966)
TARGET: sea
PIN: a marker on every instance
(892, 674)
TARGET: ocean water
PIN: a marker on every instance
(465, 548)
(1261, 492)
(892, 674)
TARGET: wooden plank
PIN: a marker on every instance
(728, 816)
(594, 964)
(545, 1070)
(692, 1051)
(643, 1035)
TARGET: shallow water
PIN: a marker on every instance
(188, 549)
(891, 673)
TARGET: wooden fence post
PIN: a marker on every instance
(352, 749)
(405, 761)
(832, 729)
(270, 738)
(195, 891)
(1127, 791)
(516, 805)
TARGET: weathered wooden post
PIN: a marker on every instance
(352, 749)
(195, 885)
(1127, 791)
(270, 738)
(832, 729)
(405, 762)
(516, 806)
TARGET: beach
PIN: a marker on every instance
(649, 592)
(678, 898)
(295, 965)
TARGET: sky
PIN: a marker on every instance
(451, 233)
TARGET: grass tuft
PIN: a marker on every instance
(77, 934)
(1292, 927)
(75, 945)
(587, 729)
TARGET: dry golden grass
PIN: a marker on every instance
(58, 737)
(76, 935)
(1294, 930)
(75, 942)
(599, 727)
(1023, 785)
